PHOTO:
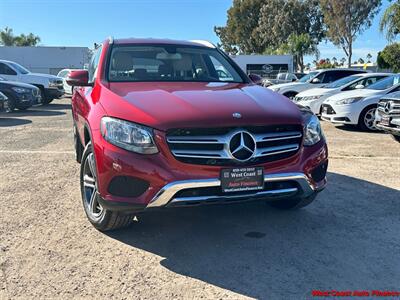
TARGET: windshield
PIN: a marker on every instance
(19, 68)
(385, 83)
(130, 63)
(341, 82)
(307, 77)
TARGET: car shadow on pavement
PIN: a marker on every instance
(351, 128)
(10, 122)
(57, 106)
(348, 239)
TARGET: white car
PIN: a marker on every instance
(51, 87)
(63, 74)
(314, 98)
(314, 79)
(358, 107)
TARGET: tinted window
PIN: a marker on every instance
(307, 77)
(341, 82)
(19, 68)
(385, 83)
(6, 70)
(169, 63)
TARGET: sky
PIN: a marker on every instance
(83, 22)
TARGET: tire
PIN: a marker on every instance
(396, 137)
(45, 99)
(23, 108)
(101, 218)
(78, 146)
(9, 104)
(366, 119)
(290, 95)
(292, 203)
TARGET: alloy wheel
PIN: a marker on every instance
(369, 118)
(92, 205)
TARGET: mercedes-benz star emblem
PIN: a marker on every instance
(236, 115)
(242, 146)
(388, 106)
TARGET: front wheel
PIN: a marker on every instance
(101, 218)
(9, 104)
(396, 137)
(292, 203)
(366, 119)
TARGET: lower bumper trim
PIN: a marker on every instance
(166, 196)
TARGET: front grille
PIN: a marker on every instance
(327, 109)
(389, 107)
(213, 146)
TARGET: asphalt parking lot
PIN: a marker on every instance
(347, 240)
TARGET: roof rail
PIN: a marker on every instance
(110, 40)
(204, 43)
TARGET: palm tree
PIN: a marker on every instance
(360, 61)
(390, 21)
(342, 61)
(334, 59)
(369, 56)
(27, 40)
(7, 37)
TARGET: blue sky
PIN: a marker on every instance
(82, 22)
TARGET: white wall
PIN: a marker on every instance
(47, 59)
(244, 60)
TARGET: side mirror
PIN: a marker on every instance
(359, 86)
(315, 80)
(78, 78)
(256, 79)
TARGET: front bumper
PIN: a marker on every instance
(340, 114)
(170, 181)
(393, 127)
(54, 93)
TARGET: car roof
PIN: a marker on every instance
(161, 41)
(340, 69)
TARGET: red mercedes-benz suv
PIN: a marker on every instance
(162, 123)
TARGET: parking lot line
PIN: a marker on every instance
(35, 152)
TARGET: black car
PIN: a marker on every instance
(19, 95)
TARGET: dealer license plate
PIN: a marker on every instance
(242, 179)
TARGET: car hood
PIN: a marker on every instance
(48, 76)
(17, 84)
(314, 92)
(356, 93)
(179, 105)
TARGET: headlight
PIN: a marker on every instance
(127, 135)
(53, 83)
(348, 100)
(312, 131)
(20, 90)
(274, 89)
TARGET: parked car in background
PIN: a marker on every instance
(313, 98)
(3, 99)
(314, 79)
(19, 95)
(283, 78)
(387, 116)
(50, 86)
(155, 126)
(358, 107)
(63, 74)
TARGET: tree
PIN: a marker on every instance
(391, 56)
(7, 38)
(361, 61)
(382, 64)
(300, 45)
(334, 59)
(390, 21)
(342, 61)
(369, 57)
(345, 19)
(240, 33)
(281, 18)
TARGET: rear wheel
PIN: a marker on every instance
(292, 203)
(101, 218)
(366, 119)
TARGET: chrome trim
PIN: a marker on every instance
(224, 141)
(167, 193)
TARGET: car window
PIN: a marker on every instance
(331, 76)
(395, 89)
(94, 63)
(130, 63)
(307, 77)
(63, 74)
(385, 83)
(6, 70)
(342, 82)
